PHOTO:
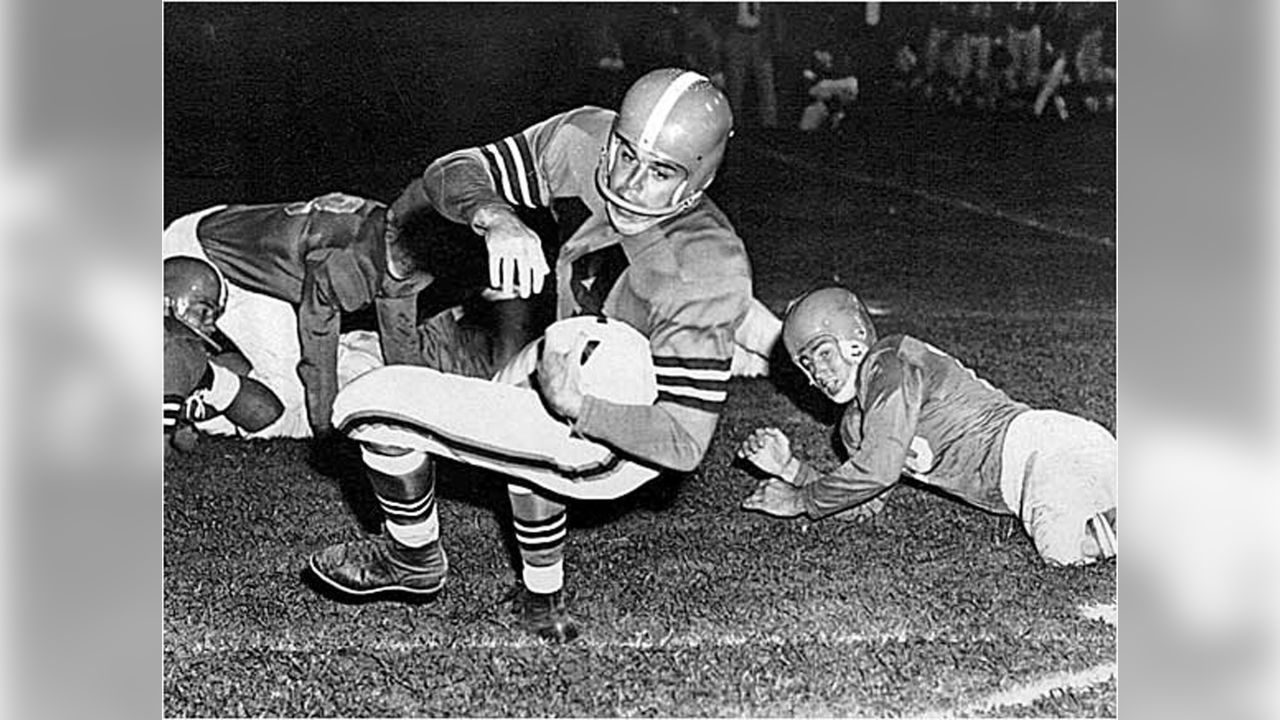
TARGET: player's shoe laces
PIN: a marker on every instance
(544, 614)
(375, 565)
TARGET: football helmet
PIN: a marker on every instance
(194, 293)
(675, 115)
(617, 363)
(831, 315)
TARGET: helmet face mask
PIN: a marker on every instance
(667, 142)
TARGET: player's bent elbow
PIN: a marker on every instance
(254, 407)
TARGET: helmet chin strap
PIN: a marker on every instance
(605, 168)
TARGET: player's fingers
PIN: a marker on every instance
(524, 281)
(495, 271)
(508, 273)
(539, 275)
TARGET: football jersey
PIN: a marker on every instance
(918, 412)
(327, 257)
(684, 283)
(186, 369)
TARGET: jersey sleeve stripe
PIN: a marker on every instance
(521, 169)
(530, 169)
(718, 383)
(515, 170)
(697, 403)
(666, 361)
(502, 182)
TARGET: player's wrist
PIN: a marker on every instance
(491, 215)
(790, 470)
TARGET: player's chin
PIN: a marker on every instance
(629, 223)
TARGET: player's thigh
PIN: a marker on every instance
(1071, 478)
(452, 345)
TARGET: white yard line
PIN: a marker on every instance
(948, 200)
(1027, 693)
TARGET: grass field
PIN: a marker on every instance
(690, 606)
(993, 240)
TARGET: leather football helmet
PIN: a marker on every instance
(194, 293)
(814, 322)
(677, 115)
(831, 312)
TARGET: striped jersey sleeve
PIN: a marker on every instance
(701, 383)
(552, 158)
(513, 170)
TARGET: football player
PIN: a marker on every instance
(202, 378)
(912, 409)
(295, 270)
(643, 246)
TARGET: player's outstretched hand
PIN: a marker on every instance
(775, 497)
(516, 262)
(769, 449)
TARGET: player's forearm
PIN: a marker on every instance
(318, 369)
(649, 433)
(397, 330)
(458, 187)
(824, 494)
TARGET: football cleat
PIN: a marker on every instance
(1102, 530)
(374, 565)
(544, 614)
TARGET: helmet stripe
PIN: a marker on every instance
(662, 109)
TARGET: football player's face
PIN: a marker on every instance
(642, 179)
(831, 367)
(199, 311)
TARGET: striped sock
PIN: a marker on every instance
(540, 534)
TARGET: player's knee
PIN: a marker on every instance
(1082, 543)
(255, 407)
(392, 460)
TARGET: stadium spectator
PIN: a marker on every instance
(644, 246)
(703, 49)
(750, 36)
(912, 409)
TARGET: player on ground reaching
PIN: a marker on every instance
(644, 246)
(202, 378)
(295, 270)
(912, 409)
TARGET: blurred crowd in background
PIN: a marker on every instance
(810, 65)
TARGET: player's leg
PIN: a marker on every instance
(266, 331)
(180, 238)
(540, 530)
(1066, 466)
(408, 557)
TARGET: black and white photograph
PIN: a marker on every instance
(640, 359)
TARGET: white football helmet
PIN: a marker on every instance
(617, 364)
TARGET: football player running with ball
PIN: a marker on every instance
(912, 409)
(643, 247)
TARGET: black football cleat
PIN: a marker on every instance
(545, 615)
(375, 565)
